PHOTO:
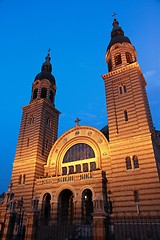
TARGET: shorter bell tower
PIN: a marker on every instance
(38, 132)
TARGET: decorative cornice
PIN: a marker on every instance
(120, 70)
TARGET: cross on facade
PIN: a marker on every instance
(77, 121)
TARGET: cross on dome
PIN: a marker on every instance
(49, 50)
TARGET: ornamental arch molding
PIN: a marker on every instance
(79, 135)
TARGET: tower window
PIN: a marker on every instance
(24, 178)
(128, 163)
(132, 162)
(35, 92)
(51, 96)
(49, 123)
(20, 179)
(43, 93)
(118, 59)
(128, 57)
(120, 90)
(31, 120)
(135, 162)
(126, 115)
(124, 89)
(136, 196)
(47, 144)
(110, 65)
(27, 142)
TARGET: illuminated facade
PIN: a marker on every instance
(87, 173)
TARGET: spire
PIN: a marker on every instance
(46, 66)
(46, 70)
(117, 34)
(117, 30)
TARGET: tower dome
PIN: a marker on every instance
(44, 85)
(117, 35)
(46, 70)
(120, 51)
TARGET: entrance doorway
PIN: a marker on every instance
(87, 206)
(65, 206)
(46, 208)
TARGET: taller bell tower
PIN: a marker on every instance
(135, 155)
(38, 132)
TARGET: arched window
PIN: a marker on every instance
(78, 168)
(64, 170)
(136, 196)
(118, 59)
(124, 89)
(77, 152)
(71, 169)
(135, 161)
(51, 96)
(43, 93)
(126, 115)
(20, 179)
(92, 166)
(24, 178)
(35, 92)
(110, 65)
(27, 142)
(30, 120)
(128, 163)
(49, 123)
(47, 144)
(85, 167)
(120, 90)
(128, 57)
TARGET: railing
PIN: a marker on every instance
(138, 228)
(68, 177)
(65, 232)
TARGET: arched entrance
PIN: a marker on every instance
(46, 208)
(65, 206)
(87, 206)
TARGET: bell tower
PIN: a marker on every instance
(38, 132)
(135, 155)
(128, 109)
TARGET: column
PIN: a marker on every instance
(9, 225)
(32, 225)
(99, 220)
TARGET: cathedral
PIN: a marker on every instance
(89, 180)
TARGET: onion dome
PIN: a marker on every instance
(46, 70)
(117, 35)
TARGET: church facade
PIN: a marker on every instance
(87, 175)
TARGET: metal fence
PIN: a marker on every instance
(131, 228)
(117, 228)
(64, 232)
